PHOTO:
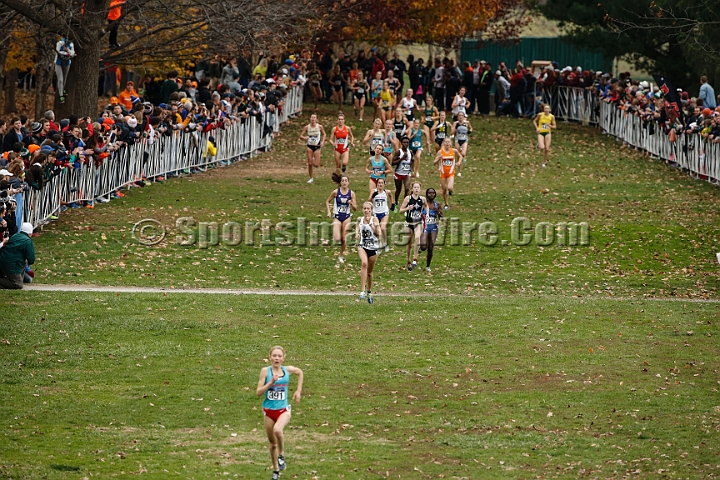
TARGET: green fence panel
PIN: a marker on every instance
(532, 48)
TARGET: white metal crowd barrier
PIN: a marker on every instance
(690, 151)
(571, 103)
(180, 153)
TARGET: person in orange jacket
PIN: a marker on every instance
(128, 95)
(113, 16)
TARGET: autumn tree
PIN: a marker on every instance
(157, 32)
(444, 24)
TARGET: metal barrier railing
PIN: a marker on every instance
(166, 155)
(690, 152)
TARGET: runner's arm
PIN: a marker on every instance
(388, 167)
(403, 207)
(262, 386)
(353, 202)
(322, 130)
(368, 135)
(298, 390)
(302, 134)
(330, 199)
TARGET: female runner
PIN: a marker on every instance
(314, 136)
(544, 122)
(359, 87)
(338, 83)
(367, 233)
(377, 167)
(431, 215)
(394, 84)
(341, 136)
(314, 80)
(403, 163)
(390, 141)
(379, 199)
(459, 104)
(374, 136)
(462, 129)
(430, 114)
(400, 123)
(387, 99)
(343, 202)
(446, 161)
(377, 86)
(273, 384)
(408, 105)
(441, 130)
(412, 208)
(416, 144)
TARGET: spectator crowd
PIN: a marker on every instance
(223, 91)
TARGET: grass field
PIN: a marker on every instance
(510, 387)
(652, 228)
(595, 361)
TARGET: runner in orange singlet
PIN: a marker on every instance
(446, 159)
(342, 138)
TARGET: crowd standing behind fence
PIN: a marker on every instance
(227, 111)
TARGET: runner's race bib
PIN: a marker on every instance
(276, 394)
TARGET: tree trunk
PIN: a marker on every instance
(4, 46)
(82, 84)
(11, 80)
(43, 73)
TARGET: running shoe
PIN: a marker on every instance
(417, 174)
(395, 209)
(414, 264)
(341, 260)
(543, 165)
(275, 476)
(459, 174)
(450, 192)
(446, 206)
(312, 180)
(410, 267)
(370, 299)
(119, 194)
(387, 248)
(53, 217)
(281, 462)
(427, 269)
(363, 295)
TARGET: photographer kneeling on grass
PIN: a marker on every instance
(16, 254)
